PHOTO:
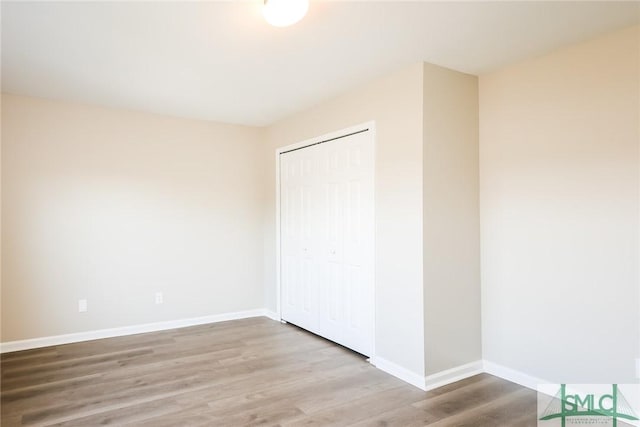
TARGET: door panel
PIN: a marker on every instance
(298, 265)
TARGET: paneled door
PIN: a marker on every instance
(326, 239)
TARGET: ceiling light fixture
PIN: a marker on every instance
(282, 13)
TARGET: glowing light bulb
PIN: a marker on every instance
(282, 13)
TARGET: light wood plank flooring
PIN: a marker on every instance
(238, 373)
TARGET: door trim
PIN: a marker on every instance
(369, 126)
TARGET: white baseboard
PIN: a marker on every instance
(10, 346)
(458, 373)
(429, 382)
(452, 375)
(271, 315)
(399, 372)
(512, 375)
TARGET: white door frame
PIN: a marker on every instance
(369, 127)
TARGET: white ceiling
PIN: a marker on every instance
(220, 61)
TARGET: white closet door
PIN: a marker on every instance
(327, 233)
(347, 289)
(299, 233)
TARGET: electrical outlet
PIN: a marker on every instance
(638, 368)
(82, 305)
(159, 298)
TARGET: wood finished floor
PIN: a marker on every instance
(238, 373)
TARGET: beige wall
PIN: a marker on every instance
(395, 104)
(559, 212)
(451, 219)
(112, 206)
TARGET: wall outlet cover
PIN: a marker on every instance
(82, 305)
